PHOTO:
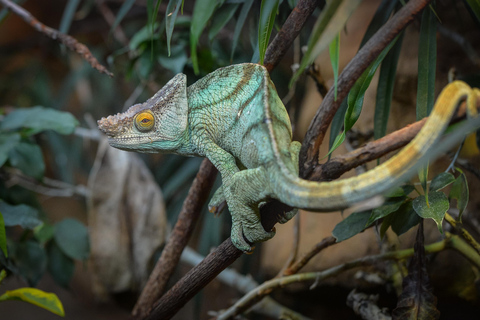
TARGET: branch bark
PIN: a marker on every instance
(70, 42)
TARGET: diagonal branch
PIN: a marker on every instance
(177, 241)
(70, 42)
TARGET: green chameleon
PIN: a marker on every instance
(234, 117)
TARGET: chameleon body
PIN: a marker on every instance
(234, 117)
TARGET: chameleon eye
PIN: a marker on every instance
(144, 121)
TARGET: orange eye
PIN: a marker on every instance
(144, 121)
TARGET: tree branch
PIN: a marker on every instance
(70, 42)
(181, 233)
(365, 56)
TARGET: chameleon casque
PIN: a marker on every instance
(235, 118)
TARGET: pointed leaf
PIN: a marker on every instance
(44, 232)
(72, 237)
(122, 12)
(334, 51)
(8, 141)
(3, 237)
(337, 125)
(3, 274)
(42, 299)
(202, 12)
(330, 22)
(240, 23)
(170, 17)
(402, 191)
(404, 218)
(28, 158)
(474, 6)
(441, 181)
(391, 205)
(268, 12)
(31, 260)
(221, 18)
(39, 119)
(459, 191)
(386, 81)
(60, 266)
(436, 208)
(350, 226)
(21, 215)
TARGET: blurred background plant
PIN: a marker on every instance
(49, 142)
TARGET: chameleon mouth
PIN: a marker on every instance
(114, 125)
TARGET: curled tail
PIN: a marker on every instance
(334, 195)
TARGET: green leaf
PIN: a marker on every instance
(42, 299)
(337, 125)
(357, 94)
(436, 208)
(72, 237)
(350, 226)
(28, 158)
(404, 218)
(391, 205)
(474, 6)
(60, 266)
(268, 12)
(21, 215)
(170, 17)
(384, 11)
(402, 191)
(460, 192)
(122, 12)
(240, 23)
(3, 237)
(330, 22)
(8, 141)
(31, 260)
(386, 81)
(68, 14)
(44, 232)
(221, 18)
(202, 13)
(3, 274)
(39, 119)
(427, 61)
(441, 181)
(334, 51)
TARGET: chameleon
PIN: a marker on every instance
(235, 118)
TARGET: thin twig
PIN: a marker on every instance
(267, 287)
(70, 42)
(365, 56)
(179, 237)
(458, 226)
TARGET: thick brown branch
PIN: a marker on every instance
(70, 42)
(290, 30)
(181, 233)
(365, 56)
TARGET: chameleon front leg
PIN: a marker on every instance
(218, 202)
(243, 191)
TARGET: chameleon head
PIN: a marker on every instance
(153, 126)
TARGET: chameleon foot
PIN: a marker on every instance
(218, 203)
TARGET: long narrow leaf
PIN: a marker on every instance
(357, 94)
(122, 12)
(68, 14)
(221, 18)
(474, 6)
(427, 61)
(330, 22)
(36, 297)
(386, 81)
(381, 16)
(268, 12)
(240, 23)
(170, 17)
(3, 237)
(334, 51)
(202, 12)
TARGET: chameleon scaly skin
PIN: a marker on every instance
(234, 117)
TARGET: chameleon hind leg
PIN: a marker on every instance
(294, 152)
(244, 192)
